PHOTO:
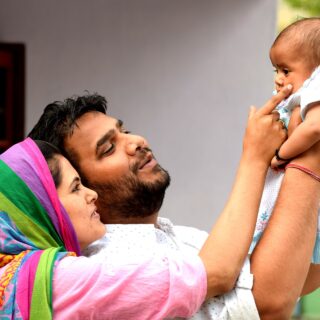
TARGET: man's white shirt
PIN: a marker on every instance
(131, 242)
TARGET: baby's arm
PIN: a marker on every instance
(302, 138)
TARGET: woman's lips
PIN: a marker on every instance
(95, 214)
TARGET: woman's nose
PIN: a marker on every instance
(91, 195)
(134, 144)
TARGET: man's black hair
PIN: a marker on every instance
(60, 118)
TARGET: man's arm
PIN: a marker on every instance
(227, 246)
(281, 260)
(313, 279)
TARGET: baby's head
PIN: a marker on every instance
(296, 52)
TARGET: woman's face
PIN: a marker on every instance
(79, 203)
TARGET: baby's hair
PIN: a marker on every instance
(304, 35)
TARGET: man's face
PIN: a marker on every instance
(119, 166)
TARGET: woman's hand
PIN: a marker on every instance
(264, 133)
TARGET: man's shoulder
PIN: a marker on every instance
(189, 236)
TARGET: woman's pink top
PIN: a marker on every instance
(156, 288)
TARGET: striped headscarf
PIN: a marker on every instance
(35, 232)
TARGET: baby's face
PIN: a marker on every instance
(291, 66)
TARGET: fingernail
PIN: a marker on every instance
(289, 86)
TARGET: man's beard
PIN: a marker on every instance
(130, 197)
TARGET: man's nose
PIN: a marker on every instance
(134, 144)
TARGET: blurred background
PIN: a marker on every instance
(182, 73)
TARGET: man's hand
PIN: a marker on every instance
(264, 133)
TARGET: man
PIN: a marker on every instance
(131, 187)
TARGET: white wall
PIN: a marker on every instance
(181, 72)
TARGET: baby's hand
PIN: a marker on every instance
(295, 120)
(277, 165)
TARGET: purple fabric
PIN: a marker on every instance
(34, 164)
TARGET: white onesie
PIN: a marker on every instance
(305, 96)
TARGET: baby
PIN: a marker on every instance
(295, 55)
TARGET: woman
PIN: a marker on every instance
(38, 236)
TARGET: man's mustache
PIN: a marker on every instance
(141, 154)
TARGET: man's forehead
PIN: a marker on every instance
(89, 128)
(94, 118)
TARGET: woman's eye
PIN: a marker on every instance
(275, 70)
(76, 187)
